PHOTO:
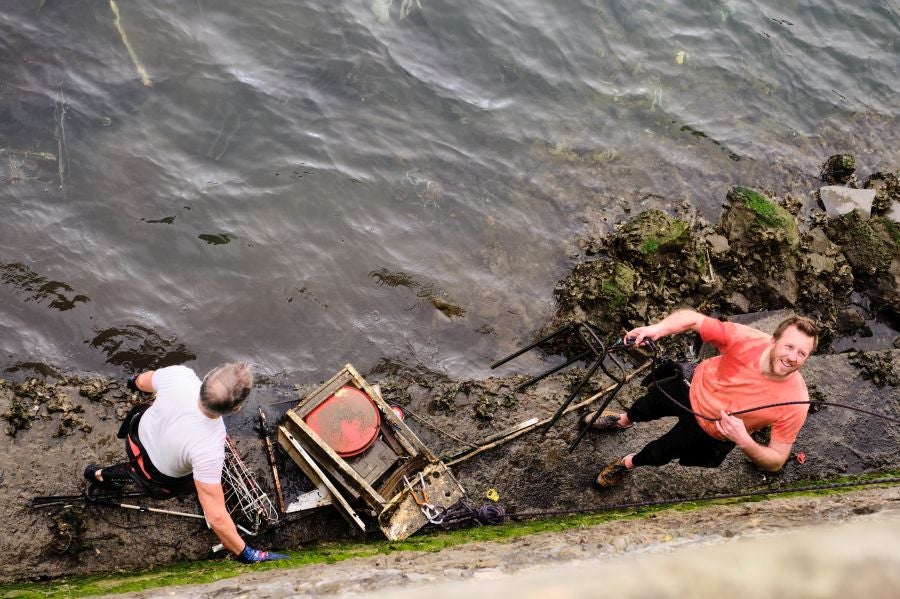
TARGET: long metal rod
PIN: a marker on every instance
(597, 413)
(155, 510)
(547, 373)
(568, 410)
(50, 500)
(518, 353)
(491, 439)
(591, 343)
(565, 404)
(271, 453)
(106, 500)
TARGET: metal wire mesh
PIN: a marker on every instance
(248, 505)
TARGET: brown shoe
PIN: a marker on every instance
(612, 475)
(608, 421)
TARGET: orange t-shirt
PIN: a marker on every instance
(732, 381)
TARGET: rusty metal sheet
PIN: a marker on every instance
(402, 516)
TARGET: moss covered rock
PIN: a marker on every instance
(651, 265)
(598, 291)
(839, 169)
(763, 265)
(867, 244)
(887, 192)
(751, 218)
(653, 237)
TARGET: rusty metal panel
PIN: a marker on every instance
(402, 516)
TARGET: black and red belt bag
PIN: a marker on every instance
(142, 465)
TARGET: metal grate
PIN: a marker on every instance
(248, 505)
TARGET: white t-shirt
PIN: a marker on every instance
(178, 437)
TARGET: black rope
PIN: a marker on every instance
(661, 502)
(433, 426)
(94, 508)
(463, 511)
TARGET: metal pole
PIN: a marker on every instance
(546, 373)
(271, 452)
(559, 331)
(564, 405)
(571, 408)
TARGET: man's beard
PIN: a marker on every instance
(773, 360)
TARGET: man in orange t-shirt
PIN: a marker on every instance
(752, 369)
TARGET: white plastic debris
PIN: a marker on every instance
(840, 200)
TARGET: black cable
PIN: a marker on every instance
(661, 502)
(432, 426)
(824, 404)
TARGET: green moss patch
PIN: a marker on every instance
(866, 250)
(768, 214)
(891, 228)
(652, 232)
(616, 289)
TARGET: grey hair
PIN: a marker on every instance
(225, 387)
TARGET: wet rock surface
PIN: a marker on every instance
(766, 254)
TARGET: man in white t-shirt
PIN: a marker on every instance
(180, 439)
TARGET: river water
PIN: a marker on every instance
(397, 184)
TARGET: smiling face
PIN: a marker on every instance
(789, 352)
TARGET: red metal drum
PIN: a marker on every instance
(347, 421)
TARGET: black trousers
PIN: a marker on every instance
(686, 441)
(140, 469)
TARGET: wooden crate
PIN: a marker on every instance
(374, 479)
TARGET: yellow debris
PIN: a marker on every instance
(493, 495)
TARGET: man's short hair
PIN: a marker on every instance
(805, 325)
(225, 387)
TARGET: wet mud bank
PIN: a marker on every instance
(808, 255)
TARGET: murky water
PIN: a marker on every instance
(304, 184)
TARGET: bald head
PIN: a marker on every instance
(225, 387)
